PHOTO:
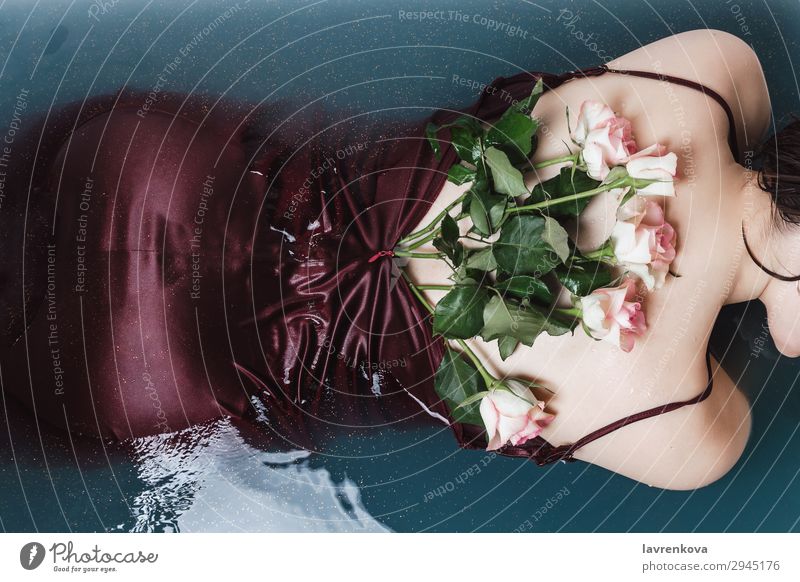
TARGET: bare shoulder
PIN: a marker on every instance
(713, 57)
(719, 60)
(684, 449)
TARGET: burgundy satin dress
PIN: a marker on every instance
(185, 260)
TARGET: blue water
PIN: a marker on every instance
(217, 477)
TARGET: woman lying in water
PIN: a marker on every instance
(175, 260)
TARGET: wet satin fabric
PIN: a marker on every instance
(191, 259)
(200, 261)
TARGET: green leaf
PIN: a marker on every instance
(507, 345)
(458, 255)
(567, 183)
(526, 105)
(441, 245)
(459, 315)
(521, 248)
(459, 174)
(430, 132)
(455, 381)
(478, 213)
(467, 276)
(555, 236)
(573, 182)
(522, 162)
(522, 322)
(505, 177)
(450, 232)
(448, 243)
(523, 286)
(465, 135)
(513, 132)
(466, 140)
(470, 123)
(454, 251)
(482, 259)
(486, 209)
(476, 267)
(582, 279)
(467, 201)
(545, 191)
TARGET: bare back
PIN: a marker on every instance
(595, 383)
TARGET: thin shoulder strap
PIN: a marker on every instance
(494, 99)
(732, 140)
(565, 452)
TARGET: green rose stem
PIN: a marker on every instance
(605, 254)
(434, 223)
(573, 312)
(429, 232)
(487, 377)
(621, 183)
(432, 229)
(421, 241)
(627, 181)
(570, 158)
(413, 255)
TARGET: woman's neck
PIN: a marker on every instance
(756, 214)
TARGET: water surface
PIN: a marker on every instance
(366, 56)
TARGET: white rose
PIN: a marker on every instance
(653, 163)
(512, 414)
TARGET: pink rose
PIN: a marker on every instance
(610, 315)
(512, 414)
(654, 163)
(606, 139)
(644, 242)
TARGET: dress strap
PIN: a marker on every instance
(550, 454)
(493, 100)
(708, 91)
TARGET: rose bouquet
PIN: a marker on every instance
(506, 287)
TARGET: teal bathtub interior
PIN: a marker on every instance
(367, 55)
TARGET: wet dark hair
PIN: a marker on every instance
(779, 176)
